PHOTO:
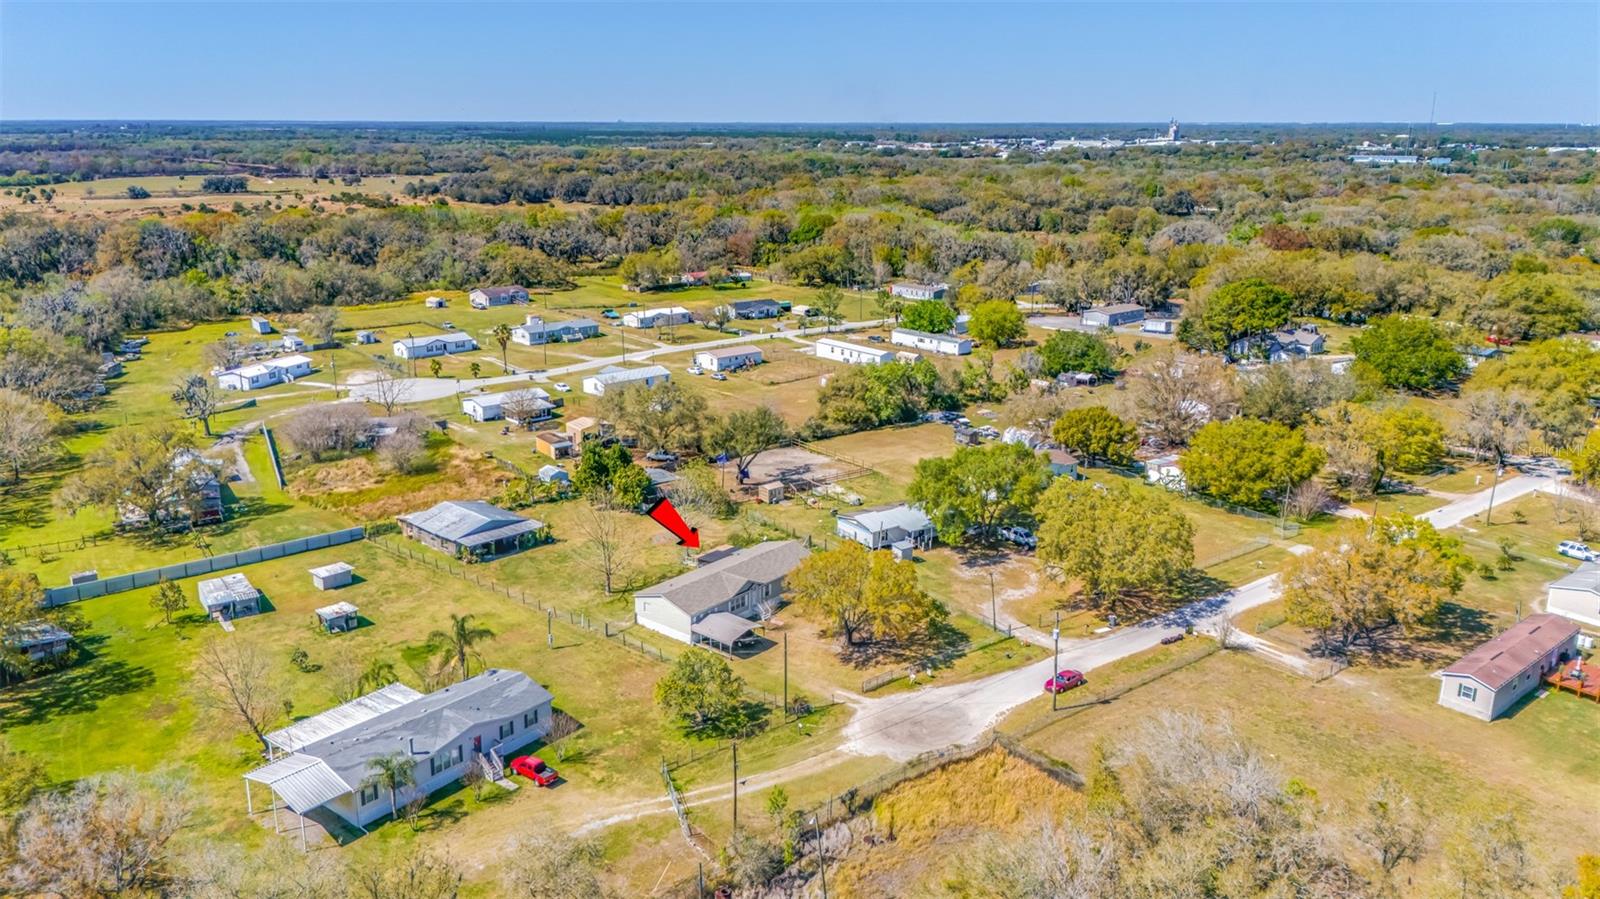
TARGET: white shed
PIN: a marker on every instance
(332, 577)
(339, 617)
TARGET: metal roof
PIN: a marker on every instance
(1586, 577)
(333, 569)
(337, 610)
(340, 717)
(885, 518)
(732, 352)
(36, 633)
(723, 627)
(303, 782)
(722, 580)
(470, 523)
(229, 588)
(613, 375)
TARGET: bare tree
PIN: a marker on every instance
(1175, 394)
(321, 323)
(225, 353)
(605, 547)
(542, 864)
(331, 428)
(1496, 422)
(110, 834)
(402, 451)
(1395, 829)
(235, 679)
(197, 398)
(522, 407)
(25, 433)
(562, 726)
(278, 870)
(388, 391)
(413, 875)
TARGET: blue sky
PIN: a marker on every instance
(802, 62)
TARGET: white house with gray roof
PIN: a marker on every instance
(326, 761)
(1577, 596)
(535, 331)
(947, 344)
(728, 358)
(434, 345)
(471, 528)
(716, 603)
(883, 527)
(613, 376)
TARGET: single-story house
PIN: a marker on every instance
(1159, 326)
(1577, 596)
(177, 513)
(264, 374)
(230, 596)
(554, 444)
(694, 279)
(1112, 315)
(728, 358)
(326, 761)
(491, 406)
(1062, 463)
(584, 428)
(1285, 345)
(366, 337)
(484, 297)
(292, 343)
(882, 527)
(913, 290)
(338, 618)
(1487, 681)
(612, 376)
(852, 353)
(260, 325)
(714, 603)
(434, 345)
(1167, 471)
(536, 331)
(553, 474)
(948, 344)
(332, 577)
(471, 528)
(751, 309)
(659, 317)
(1024, 437)
(39, 640)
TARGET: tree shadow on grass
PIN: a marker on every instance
(81, 688)
(939, 640)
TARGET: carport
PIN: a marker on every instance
(721, 629)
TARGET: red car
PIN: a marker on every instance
(533, 768)
(1064, 681)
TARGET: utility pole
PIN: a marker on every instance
(786, 672)
(994, 610)
(822, 858)
(1499, 467)
(735, 786)
(1057, 664)
(550, 628)
(411, 350)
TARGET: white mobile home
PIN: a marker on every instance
(885, 526)
(484, 297)
(852, 353)
(947, 344)
(264, 374)
(1492, 678)
(1577, 596)
(491, 406)
(537, 332)
(657, 318)
(913, 290)
(729, 358)
(325, 761)
(715, 602)
(433, 345)
(612, 376)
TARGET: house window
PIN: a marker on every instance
(739, 601)
(369, 794)
(1470, 694)
(531, 718)
(507, 729)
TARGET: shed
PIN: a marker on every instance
(554, 444)
(332, 577)
(770, 492)
(260, 325)
(551, 474)
(229, 596)
(434, 302)
(339, 617)
(366, 337)
(39, 640)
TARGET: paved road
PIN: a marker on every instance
(420, 390)
(1452, 514)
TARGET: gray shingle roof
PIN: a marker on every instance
(725, 578)
(1585, 577)
(470, 523)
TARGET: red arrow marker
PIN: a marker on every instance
(668, 517)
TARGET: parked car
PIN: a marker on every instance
(718, 376)
(448, 325)
(1064, 681)
(1020, 536)
(661, 456)
(875, 338)
(1171, 639)
(1572, 549)
(533, 768)
(562, 387)
(695, 370)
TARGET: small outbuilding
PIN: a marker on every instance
(554, 444)
(260, 325)
(230, 596)
(434, 302)
(338, 618)
(366, 337)
(554, 474)
(332, 577)
(770, 492)
(39, 640)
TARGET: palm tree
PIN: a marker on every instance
(502, 336)
(393, 773)
(379, 673)
(457, 642)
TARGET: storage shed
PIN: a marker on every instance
(339, 617)
(770, 492)
(229, 596)
(332, 577)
